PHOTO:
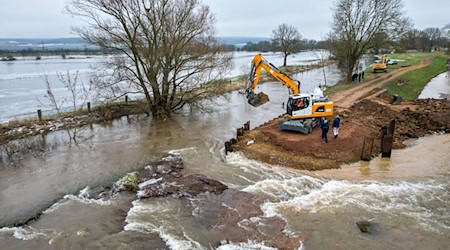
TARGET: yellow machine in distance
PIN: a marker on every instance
(302, 109)
(380, 65)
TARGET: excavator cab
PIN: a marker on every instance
(299, 105)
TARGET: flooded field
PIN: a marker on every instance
(438, 87)
(406, 196)
(22, 88)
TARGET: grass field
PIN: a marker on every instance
(412, 83)
(404, 60)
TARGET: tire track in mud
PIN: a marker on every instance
(346, 98)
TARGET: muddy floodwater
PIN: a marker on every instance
(407, 196)
(22, 88)
(438, 87)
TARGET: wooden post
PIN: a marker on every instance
(126, 99)
(228, 147)
(239, 132)
(89, 107)
(39, 112)
(391, 128)
(386, 147)
(247, 126)
(366, 152)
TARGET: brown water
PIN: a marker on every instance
(438, 87)
(412, 209)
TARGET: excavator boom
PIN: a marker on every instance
(259, 63)
(303, 110)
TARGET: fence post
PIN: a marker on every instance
(39, 112)
(239, 132)
(228, 147)
(247, 126)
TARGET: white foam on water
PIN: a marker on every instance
(264, 171)
(87, 201)
(27, 233)
(84, 193)
(82, 198)
(183, 151)
(245, 246)
(419, 201)
(285, 189)
(179, 243)
(149, 217)
(54, 207)
(144, 208)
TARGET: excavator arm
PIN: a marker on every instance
(302, 110)
(257, 64)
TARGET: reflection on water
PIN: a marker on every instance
(401, 194)
(425, 157)
(22, 88)
(438, 87)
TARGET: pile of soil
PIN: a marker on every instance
(363, 120)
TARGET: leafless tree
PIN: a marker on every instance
(53, 102)
(287, 39)
(356, 23)
(78, 90)
(432, 34)
(169, 49)
(322, 56)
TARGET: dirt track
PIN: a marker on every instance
(363, 111)
(345, 99)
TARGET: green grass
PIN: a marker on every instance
(405, 60)
(412, 83)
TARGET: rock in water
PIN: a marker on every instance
(368, 227)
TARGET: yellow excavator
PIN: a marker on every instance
(380, 65)
(303, 111)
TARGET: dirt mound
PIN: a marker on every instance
(363, 120)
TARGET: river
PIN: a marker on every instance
(412, 210)
(22, 88)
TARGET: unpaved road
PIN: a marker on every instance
(345, 99)
(363, 111)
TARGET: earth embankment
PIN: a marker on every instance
(362, 120)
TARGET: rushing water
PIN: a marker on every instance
(412, 210)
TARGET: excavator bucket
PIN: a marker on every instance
(257, 99)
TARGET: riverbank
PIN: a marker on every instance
(17, 129)
(363, 120)
(364, 108)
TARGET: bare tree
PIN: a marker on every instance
(322, 56)
(356, 23)
(432, 34)
(53, 102)
(287, 39)
(78, 90)
(169, 48)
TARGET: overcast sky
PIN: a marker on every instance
(45, 18)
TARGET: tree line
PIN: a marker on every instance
(269, 46)
(170, 54)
